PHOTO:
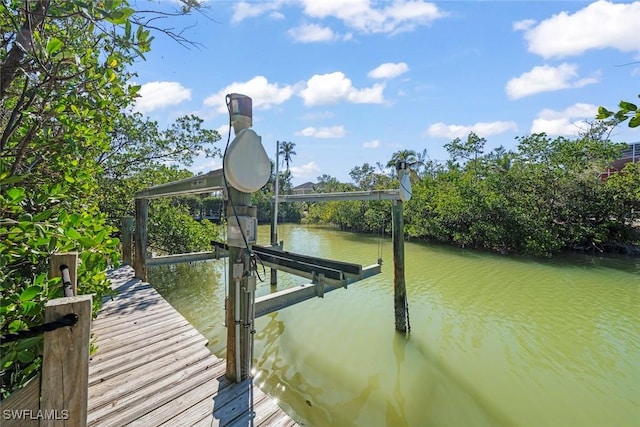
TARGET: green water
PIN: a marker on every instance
(495, 340)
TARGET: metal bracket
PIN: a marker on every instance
(251, 283)
(319, 283)
(238, 271)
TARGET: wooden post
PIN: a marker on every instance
(242, 203)
(65, 364)
(69, 259)
(126, 238)
(142, 213)
(399, 286)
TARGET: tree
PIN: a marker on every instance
(468, 150)
(365, 176)
(138, 154)
(408, 156)
(286, 150)
(64, 78)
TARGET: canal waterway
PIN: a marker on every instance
(495, 340)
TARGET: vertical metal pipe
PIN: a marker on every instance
(237, 330)
(274, 211)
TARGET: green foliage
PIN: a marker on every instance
(116, 198)
(36, 223)
(546, 196)
(173, 230)
(627, 111)
(64, 84)
(368, 217)
(172, 224)
(262, 199)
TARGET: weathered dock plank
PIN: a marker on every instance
(109, 368)
(178, 408)
(153, 368)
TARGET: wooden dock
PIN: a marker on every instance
(153, 368)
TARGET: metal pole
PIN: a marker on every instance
(237, 340)
(274, 223)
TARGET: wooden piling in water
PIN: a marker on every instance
(399, 285)
(140, 239)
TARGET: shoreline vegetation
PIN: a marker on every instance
(546, 196)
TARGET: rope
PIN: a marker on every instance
(380, 237)
(68, 320)
(406, 305)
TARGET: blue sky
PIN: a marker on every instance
(352, 81)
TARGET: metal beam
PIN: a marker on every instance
(346, 267)
(344, 196)
(205, 183)
(177, 258)
(288, 297)
(335, 272)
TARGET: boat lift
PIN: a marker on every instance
(246, 169)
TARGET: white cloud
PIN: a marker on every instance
(331, 88)
(371, 144)
(223, 131)
(206, 165)
(398, 16)
(308, 170)
(309, 33)
(243, 10)
(394, 17)
(523, 25)
(264, 94)
(600, 25)
(482, 129)
(388, 70)
(320, 115)
(561, 122)
(154, 95)
(323, 132)
(545, 78)
(276, 15)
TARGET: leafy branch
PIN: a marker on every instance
(626, 111)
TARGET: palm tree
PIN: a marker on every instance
(286, 150)
(408, 156)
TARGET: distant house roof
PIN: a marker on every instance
(307, 187)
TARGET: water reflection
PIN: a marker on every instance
(395, 408)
